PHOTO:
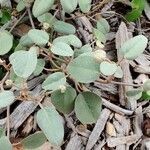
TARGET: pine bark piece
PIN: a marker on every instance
(99, 127)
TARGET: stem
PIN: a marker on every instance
(3, 80)
(30, 17)
(17, 22)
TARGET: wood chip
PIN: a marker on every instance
(110, 129)
(99, 127)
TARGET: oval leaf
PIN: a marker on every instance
(5, 143)
(6, 42)
(39, 67)
(6, 98)
(34, 141)
(146, 85)
(24, 62)
(135, 46)
(88, 107)
(39, 37)
(62, 49)
(64, 101)
(107, 68)
(85, 5)
(84, 69)
(51, 124)
(69, 6)
(54, 81)
(63, 27)
(41, 6)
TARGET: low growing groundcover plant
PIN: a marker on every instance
(67, 65)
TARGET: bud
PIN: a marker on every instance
(46, 26)
(62, 88)
(99, 55)
(99, 44)
(9, 82)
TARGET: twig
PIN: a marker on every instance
(3, 80)
(8, 121)
(30, 17)
(17, 21)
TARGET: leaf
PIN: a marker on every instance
(63, 27)
(146, 95)
(34, 141)
(39, 37)
(2, 132)
(118, 73)
(54, 81)
(64, 101)
(41, 6)
(39, 67)
(135, 46)
(47, 18)
(6, 42)
(99, 36)
(69, 6)
(5, 143)
(20, 6)
(88, 107)
(26, 41)
(85, 5)
(103, 26)
(24, 62)
(146, 85)
(6, 98)
(69, 39)
(108, 68)
(84, 69)
(84, 49)
(62, 49)
(135, 93)
(51, 124)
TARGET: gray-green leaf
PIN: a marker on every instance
(51, 124)
(84, 69)
(41, 6)
(5, 143)
(64, 101)
(62, 49)
(54, 81)
(88, 107)
(39, 67)
(69, 6)
(135, 46)
(85, 5)
(39, 37)
(24, 62)
(6, 42)
(6, 98)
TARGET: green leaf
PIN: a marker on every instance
(146, 85)
(6, 98)
(63, 27)
(138, 4)
(26, 41)
(62, 49)
(5, 143)
(107, 68)
(85, 5)
(6, 16)
(103, 26)
(84, 49)
(69, 39)
(47, 18)
(118, 73)
(41, 6)
(6, 42)
(24, 62)
(135, 94)
(69, 6)
(2, 132)
(39, 67)
(21, 6)
(146, 95)
(99, 35)
(84, 69)
(64, 101)
(39, 37)
(54, 81)
(135, 46)
(88, 107)
(34, 141)
(51, 124)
